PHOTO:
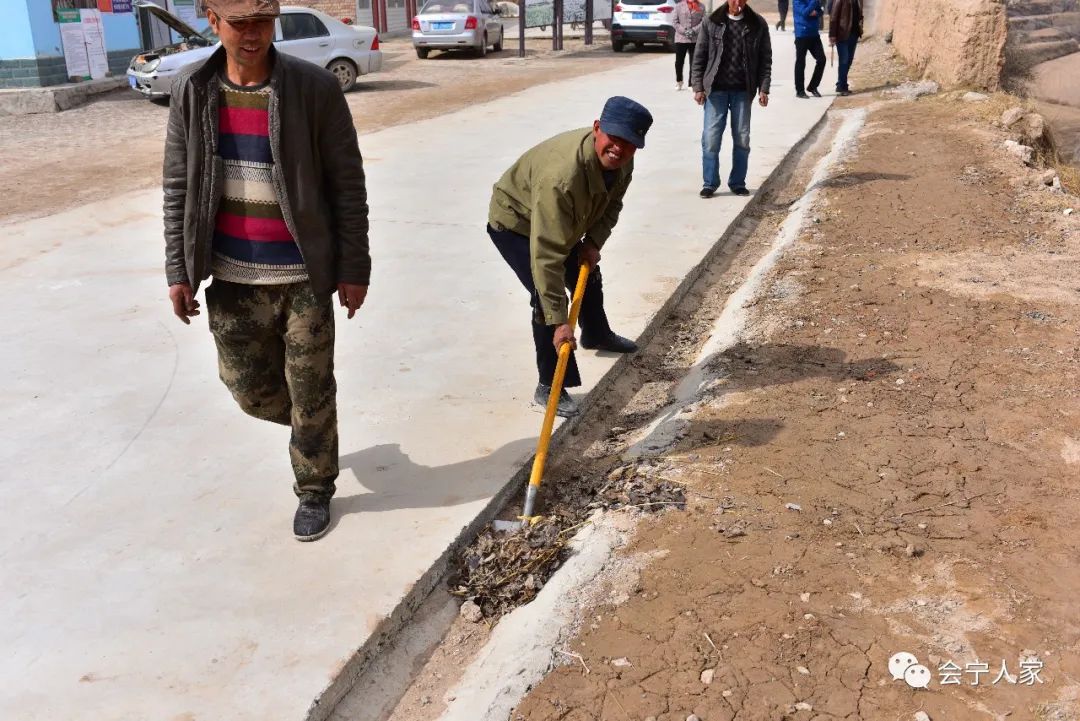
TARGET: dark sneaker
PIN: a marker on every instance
(312, 519)
(707, 192)
(804, 96)
(814, 92)
(843, 93)
(740, 191)
(567, 405)
(612, 342)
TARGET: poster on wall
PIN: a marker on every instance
(71, 37)
(58, 5)
(541, 13)
(94, 37)
(185, 10)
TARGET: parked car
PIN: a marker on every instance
(457, 25)
(642, 22)
(345, 50)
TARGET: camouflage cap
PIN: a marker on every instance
(243, 9)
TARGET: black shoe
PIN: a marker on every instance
(843, 93)
(740, 191)
(804, 96)
(814, 92)
(567, 405)
(707, 192)
(312, 519)
(613, 342)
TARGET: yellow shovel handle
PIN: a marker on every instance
(557, 383)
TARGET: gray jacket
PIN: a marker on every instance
(710, 48)
(687, 23)
(318, 173)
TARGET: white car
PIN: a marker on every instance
(457, 25)
(345, 50)
(643, 21)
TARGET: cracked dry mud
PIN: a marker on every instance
(909, 380)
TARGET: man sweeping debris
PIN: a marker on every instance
(553, 210)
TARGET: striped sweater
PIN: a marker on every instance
(252, 243)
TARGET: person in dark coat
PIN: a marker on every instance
(845, 29)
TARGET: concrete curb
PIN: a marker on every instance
(31, 101)
(387, 631)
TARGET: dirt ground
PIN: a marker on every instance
(118, 139)
(887, 460)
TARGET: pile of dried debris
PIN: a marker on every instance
(501, 571)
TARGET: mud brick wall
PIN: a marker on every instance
(958, 43)
(334, 8)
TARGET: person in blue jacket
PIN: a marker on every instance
(808, 14)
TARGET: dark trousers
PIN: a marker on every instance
(514, 249)
(782, 7)
(681, 51)
(845, 52)
(812, 45)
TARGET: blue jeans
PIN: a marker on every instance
(846, 51)
(717, 106)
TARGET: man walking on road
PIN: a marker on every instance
(808, 39)
(265, 191)
(732, 64)
(845, 29)
(554, 209)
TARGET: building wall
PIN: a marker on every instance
(16, 37)
(334, 8)
(31, 54)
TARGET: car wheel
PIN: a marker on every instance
(482, 50)
(617, 46)
(499, 45)
(345, 72)
(422, 53)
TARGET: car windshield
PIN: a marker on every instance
(446, 6)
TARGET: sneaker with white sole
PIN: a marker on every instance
(567, 405)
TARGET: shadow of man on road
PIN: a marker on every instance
(395, 482)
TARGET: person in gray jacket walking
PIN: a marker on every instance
(265, 191)
(688, 17)
(732, 64)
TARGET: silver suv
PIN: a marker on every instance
(643, 21)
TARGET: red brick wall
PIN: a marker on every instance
(334, 8)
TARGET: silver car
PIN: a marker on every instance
(457, 25)
(345, 50)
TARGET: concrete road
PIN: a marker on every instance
(147, 568)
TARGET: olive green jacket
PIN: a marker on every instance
(555, 195)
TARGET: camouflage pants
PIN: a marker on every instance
(276, 356)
